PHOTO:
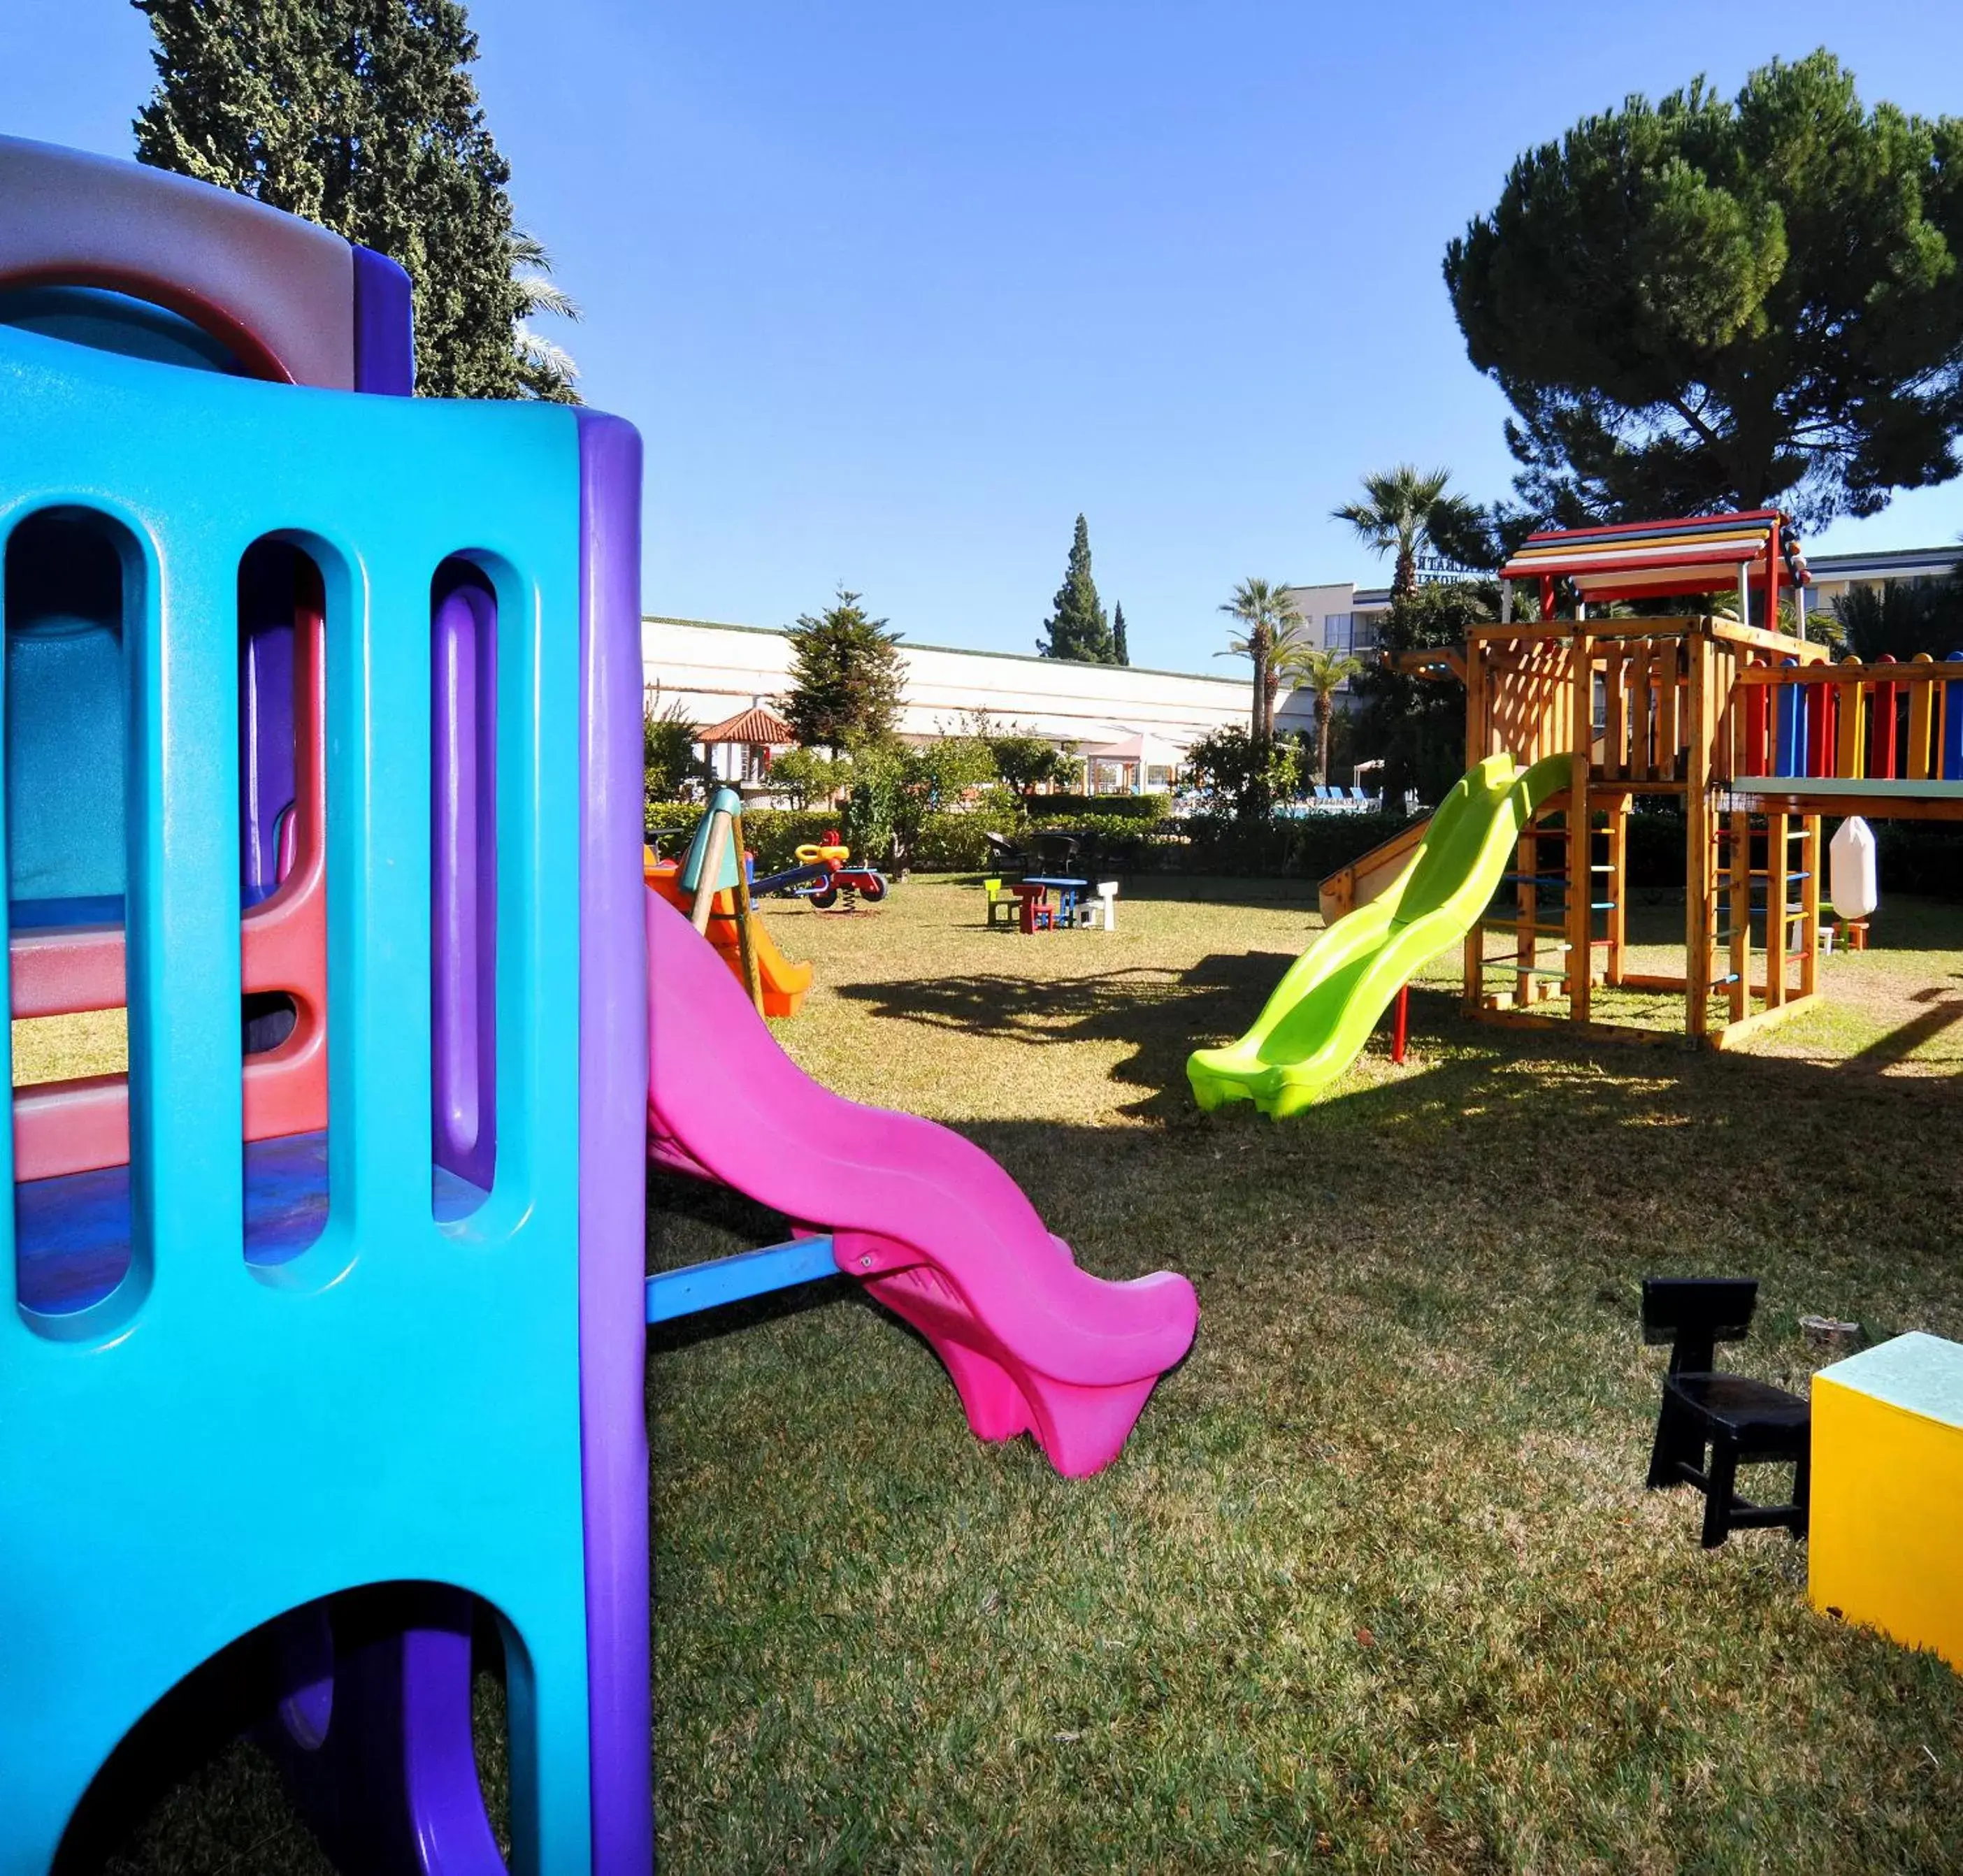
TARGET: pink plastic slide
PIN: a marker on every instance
(932, 1226)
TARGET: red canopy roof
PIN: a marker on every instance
(758, 724)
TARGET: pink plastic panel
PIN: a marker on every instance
(79, 1126)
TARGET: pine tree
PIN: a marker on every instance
(1077, 629)
(846, 676)
(360, 115)
(1122, 651)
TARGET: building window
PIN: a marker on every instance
(1335, 627)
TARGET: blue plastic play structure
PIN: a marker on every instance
(324, 1410)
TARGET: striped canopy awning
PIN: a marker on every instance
(758, 726)
(1702, 554)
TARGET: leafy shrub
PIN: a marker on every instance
(663, 815)
(1238, 775)
(1027, 762)
(808, 775)
(958, 843)
(668, 759)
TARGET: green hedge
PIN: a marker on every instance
(1123, 841)
(1044, 808)
(1282, 848)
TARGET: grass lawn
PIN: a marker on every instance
(1376, 1586)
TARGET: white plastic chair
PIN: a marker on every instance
(1100, 911)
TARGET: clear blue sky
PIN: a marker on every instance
(894, 290)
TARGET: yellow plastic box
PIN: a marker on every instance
(1886, 1547)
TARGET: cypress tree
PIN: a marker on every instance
(360, 115)
(1077, 629)
(1120, 648)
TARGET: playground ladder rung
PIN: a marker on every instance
(1509, 924)
(1506, 968)
(1535, 879)
(1724, 935)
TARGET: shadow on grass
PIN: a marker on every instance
(1945, 1011)
(1161, 1015)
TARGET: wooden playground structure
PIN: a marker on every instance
(1755, 732)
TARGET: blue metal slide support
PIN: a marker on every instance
(699, 1286)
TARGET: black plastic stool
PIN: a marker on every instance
(1740, 1420)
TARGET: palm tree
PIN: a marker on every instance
(1324, 672)
(545, 368)
(1408, 511)
(1271, 620)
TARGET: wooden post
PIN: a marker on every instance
(1669, 729)
(1580, 834)
(746, 935)
(1699, 844)
(1475, 751)
(1615, 724)
(1527, 863)
(1846, 757)
(1809, 917)
(1740, 834)
(1618, 887)
(1640, 725)
(704, 902)
(1924, 745)
(1778, 864)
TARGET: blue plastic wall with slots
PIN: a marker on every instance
(216, 1441)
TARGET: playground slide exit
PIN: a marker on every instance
(932, 1226)
(1326, 1005)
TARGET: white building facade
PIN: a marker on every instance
(708, 671)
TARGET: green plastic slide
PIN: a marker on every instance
(1324, 1008)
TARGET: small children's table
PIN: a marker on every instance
(1039, 914)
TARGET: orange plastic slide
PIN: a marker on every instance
(784, 983)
